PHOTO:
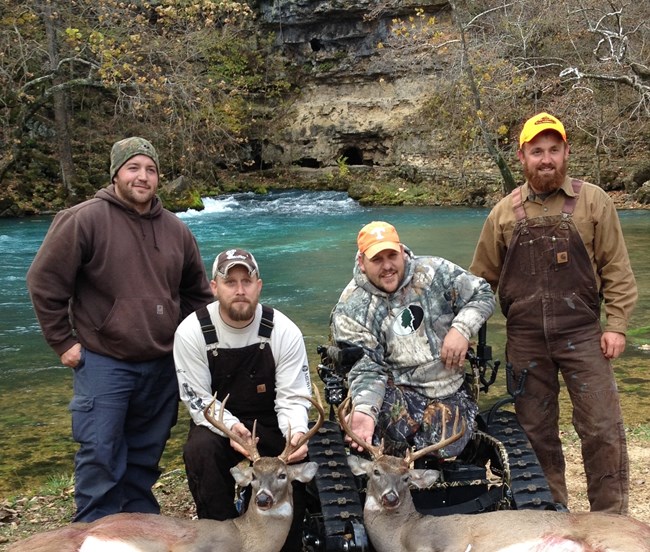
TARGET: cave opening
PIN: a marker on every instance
(353, 154)
(308, 162)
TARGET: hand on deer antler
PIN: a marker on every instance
(300, 453)
(247, 445)
(345, 415)
(298, 442)
(242, 431)
(363, 425)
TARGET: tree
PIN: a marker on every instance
(475, 94)
(491, 143)
(60, 99)
(585, 60)
(183, 72)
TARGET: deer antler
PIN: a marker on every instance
(444, 441)
(375, 452)
(289, 448)
(250, 447)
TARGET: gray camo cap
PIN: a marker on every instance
(123, 150)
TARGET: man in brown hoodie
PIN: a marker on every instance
(112, 280)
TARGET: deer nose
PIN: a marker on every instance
(390, 500)
(264, 500)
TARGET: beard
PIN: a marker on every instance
(542, 183)
(241, 311)
(393, 275)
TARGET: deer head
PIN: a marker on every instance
(390, 477)
(269, 477)
(394, 525)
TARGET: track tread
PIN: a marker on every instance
(337, 490)
(529, 487)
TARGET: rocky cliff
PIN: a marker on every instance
(366, 97)
(361, 102)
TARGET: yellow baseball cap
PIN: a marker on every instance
(377, 236)
(540, 123)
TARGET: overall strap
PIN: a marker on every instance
(266, 323)
(517, 204)
(570, 202)
(207, 327)
(209, 334)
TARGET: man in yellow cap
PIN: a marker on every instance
(413, 317)
(555, 250)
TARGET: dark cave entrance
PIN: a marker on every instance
(353, 154)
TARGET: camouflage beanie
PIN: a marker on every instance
(130, 147)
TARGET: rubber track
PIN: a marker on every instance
(530, 490)
(337, 490)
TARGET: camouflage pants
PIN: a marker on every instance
(408, 418)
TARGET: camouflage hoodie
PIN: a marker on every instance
(402, 332)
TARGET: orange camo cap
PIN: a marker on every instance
(540, 123)
(377, 236)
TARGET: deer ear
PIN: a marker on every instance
(359, 465)
(304, 472)
(243, 476)
(423, 478)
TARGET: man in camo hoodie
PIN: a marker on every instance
(413, 317)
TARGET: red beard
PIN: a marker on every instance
(542, 183)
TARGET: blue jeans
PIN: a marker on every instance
(122, 415)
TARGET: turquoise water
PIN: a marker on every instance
(305, 245)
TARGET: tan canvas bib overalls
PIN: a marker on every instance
(548, 293)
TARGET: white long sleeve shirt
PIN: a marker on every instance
(291, 367)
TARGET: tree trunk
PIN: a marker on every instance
(509, 183)
(60, 103)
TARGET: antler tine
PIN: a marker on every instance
(457, 434)
(251, 447)
(289, 448)
(375, 452)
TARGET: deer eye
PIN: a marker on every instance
(282, 476)
(376, 473)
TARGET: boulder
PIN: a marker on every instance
(642, 195)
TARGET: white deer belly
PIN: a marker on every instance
(545, 544)
(93, 544)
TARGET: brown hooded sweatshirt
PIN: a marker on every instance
(116, 281)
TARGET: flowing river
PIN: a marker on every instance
(305, 244)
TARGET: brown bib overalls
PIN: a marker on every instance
(549, 296)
